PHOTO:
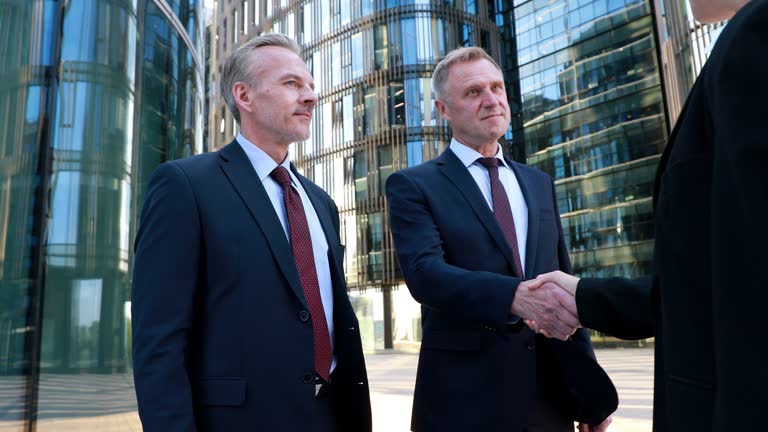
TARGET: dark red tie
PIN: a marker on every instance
(301, 245)
(503, 211)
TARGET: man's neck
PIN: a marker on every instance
(487, 149)
(278, 152)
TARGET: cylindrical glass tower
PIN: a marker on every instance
(94, 94)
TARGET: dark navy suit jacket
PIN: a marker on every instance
(221, 336)
(458, 265)
(709, 289)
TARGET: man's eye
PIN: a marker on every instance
(472, 92)
(292, 83)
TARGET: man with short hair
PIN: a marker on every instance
(469, 228)
(241, 319)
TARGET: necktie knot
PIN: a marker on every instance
(281, 176)
(489, 162)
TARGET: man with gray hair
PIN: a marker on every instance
(241, 319)
(470, 229)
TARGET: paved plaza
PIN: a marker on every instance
(77, 403)
(392, 377)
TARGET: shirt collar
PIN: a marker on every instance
(261, 161)
(468, 155)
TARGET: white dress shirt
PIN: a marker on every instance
(264, 165)
(469, 157)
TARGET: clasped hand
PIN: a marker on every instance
(548, 304)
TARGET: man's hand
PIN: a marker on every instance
(602, 427)
(555, 280)
(564, 280)
(551, 308)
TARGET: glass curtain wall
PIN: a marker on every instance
(98, 103)
(372, 64)
(372, 61)
(593, 118)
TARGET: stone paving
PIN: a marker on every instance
(99, 403)
(392, 378)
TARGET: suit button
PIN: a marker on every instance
(308, 377)
(531, 347)
(304, 316)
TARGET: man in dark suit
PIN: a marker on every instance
(706, 300)
(241, 319)
(469, 227)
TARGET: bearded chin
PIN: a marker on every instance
(294, 136)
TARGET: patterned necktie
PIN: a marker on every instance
(301, 245)
(503, 211)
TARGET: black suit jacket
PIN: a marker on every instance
(220, 337)
(458, 265)
(706, 301)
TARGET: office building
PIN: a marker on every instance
(94, 95)
(372, 61)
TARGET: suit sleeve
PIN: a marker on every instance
(617, 306)
(739, 248)
(581, 337)
(164, 281)
(469, 295)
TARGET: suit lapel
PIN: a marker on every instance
(246, 182)
(452, 167)
(531, 200)
(671, 141)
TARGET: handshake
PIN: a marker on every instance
(548, 304)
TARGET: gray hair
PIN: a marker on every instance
(459, 55)
(239, 65)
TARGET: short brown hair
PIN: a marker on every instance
(238, 66)
(459, 55)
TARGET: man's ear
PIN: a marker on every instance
(242, 96)
(442, 109)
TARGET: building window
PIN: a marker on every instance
(235, 28)
(396, 103)
(224, 34)
(381, 46)
(307, 30)
(357, 55)
(246, 21)
(360, 176)
(372, 118)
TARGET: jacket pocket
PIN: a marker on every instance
(221, 392)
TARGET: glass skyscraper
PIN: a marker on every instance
(594, 118)
(589, 106)
(94, 95)
(372, 62)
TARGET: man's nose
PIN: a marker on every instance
(309, 97)
(489, 100)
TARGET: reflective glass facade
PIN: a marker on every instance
(372, 62)
(593, 117)
(94, 94)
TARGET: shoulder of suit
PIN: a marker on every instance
(423, 168)
(194, 163)
(735, 40)
(197, 159)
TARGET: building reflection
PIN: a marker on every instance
(593, 117)
(96, 94)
